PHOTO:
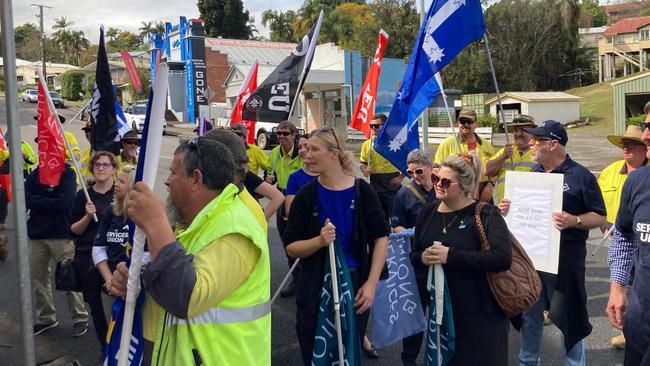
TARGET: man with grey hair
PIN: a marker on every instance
(408, 203)
(219, 263)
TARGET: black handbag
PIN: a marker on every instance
(66, 276)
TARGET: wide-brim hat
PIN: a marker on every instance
(130, 136)
(633, 133)
(61, 118)
(521, 120)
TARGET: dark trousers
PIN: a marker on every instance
(281, 222)
(91, 288)
(411, 345)
(4, 202)
(306, 324)
(635, 358)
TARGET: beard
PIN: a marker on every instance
(174, 214)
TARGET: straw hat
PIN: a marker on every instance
(633, 133)
(521, 120)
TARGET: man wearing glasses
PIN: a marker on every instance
(630, 245)
(516, 156)
(385, 178)
(129, 154)
(582, 209)
(613, 177)
(469, 141)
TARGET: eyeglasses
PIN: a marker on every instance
(375, 126)
(418, 171)
(630, 145)
(132, 142)
(194, 143)
(103, 165)
(465, 121)
(330, 129)
(284, 133)
(539, 140)
(644, 125)
(443, 182)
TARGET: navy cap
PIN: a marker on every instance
(551, 129)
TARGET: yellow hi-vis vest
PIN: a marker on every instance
(237, 330)
(523, 163)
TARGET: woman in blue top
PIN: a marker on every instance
(334, 206)
(300, 177)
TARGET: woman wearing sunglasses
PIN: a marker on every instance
(335, 207)
(481, 327)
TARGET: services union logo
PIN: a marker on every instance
(254, 103)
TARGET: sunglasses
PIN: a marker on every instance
(465, 121)
(330, 129)
(644, 125)
(539, 140)
(443, 182)
(418, 171)
(103, 165)
(132, 142)
(194, 144)
(284, 133)
(630, 145)
(375, 126)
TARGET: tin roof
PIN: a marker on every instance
(537, 97)
(243, 52)
(627, 25)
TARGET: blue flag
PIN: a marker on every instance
(441, 338)
(450, 26)
(122, 125)
(326, 344)
(397, 312)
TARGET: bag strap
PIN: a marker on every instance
(417, 194)
(485, 244)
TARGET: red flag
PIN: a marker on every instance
(133, 71)
(366, 104)
(51, 148)
(5, 179)
(248, 86)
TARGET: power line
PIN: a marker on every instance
(40, 17)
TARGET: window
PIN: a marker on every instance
(644, 34)
(620, 39)
(609, 39)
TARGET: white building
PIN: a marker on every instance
(559, 106)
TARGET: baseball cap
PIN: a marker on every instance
(551, 129)
(467, 114)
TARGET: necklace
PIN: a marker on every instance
(446, 226)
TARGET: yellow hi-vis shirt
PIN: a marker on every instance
(448, 147)
(376, 163)
(611, 181)
(256, 159)
(283, 164)
(76, 150)
(522, 163)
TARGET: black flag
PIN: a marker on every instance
(272, 100)
(103, 104)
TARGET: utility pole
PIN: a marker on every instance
(425, 114)
(40, 17)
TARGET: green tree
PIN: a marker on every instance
(225, 18)
(146, 30)
(280, 24)
(28, 43)
(72, 84)
(112, 33)
(591, 14)
(355, 27)
(144, 78)
(124, 41)
(399, 18)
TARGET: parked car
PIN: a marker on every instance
(30, 95)
(57, 100)
(135, 116)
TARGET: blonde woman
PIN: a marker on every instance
(334, 206)
(481, 327)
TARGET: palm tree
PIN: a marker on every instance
(112, 33)
(280, 24)
(159, 27)
(146, 30)
(78, 43)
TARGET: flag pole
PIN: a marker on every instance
(15, 155)
(50, 106)
(425, 114)
(153, 142)
(451, 121)
(337, 302)
(496, 89)
(603, 240)
(284, 281)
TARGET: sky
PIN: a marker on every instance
(88, 15)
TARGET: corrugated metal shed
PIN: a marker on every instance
(244, 51)
(637, 85)
(537, 97)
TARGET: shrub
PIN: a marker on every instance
(636, 120)
(72, 85)
(488, 120)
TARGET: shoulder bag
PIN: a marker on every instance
(518, 288)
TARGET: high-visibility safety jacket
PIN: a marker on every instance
(32, 157)
(611, 181)
(282, 165)
(522, 163)
(448, 147)
(237, 330)
(76, 150)
(375, 162)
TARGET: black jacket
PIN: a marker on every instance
(304, 223)
(49, 207)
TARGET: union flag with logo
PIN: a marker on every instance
(51, 148)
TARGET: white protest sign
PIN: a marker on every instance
(535, 196)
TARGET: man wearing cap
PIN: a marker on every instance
(385, 178)
(469, 141)
(129, 154)
(517, 156)
(582, 209)
(256, 157)
(611, 181)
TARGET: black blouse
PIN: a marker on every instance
(466, 263)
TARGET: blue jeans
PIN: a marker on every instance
(532, 330)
